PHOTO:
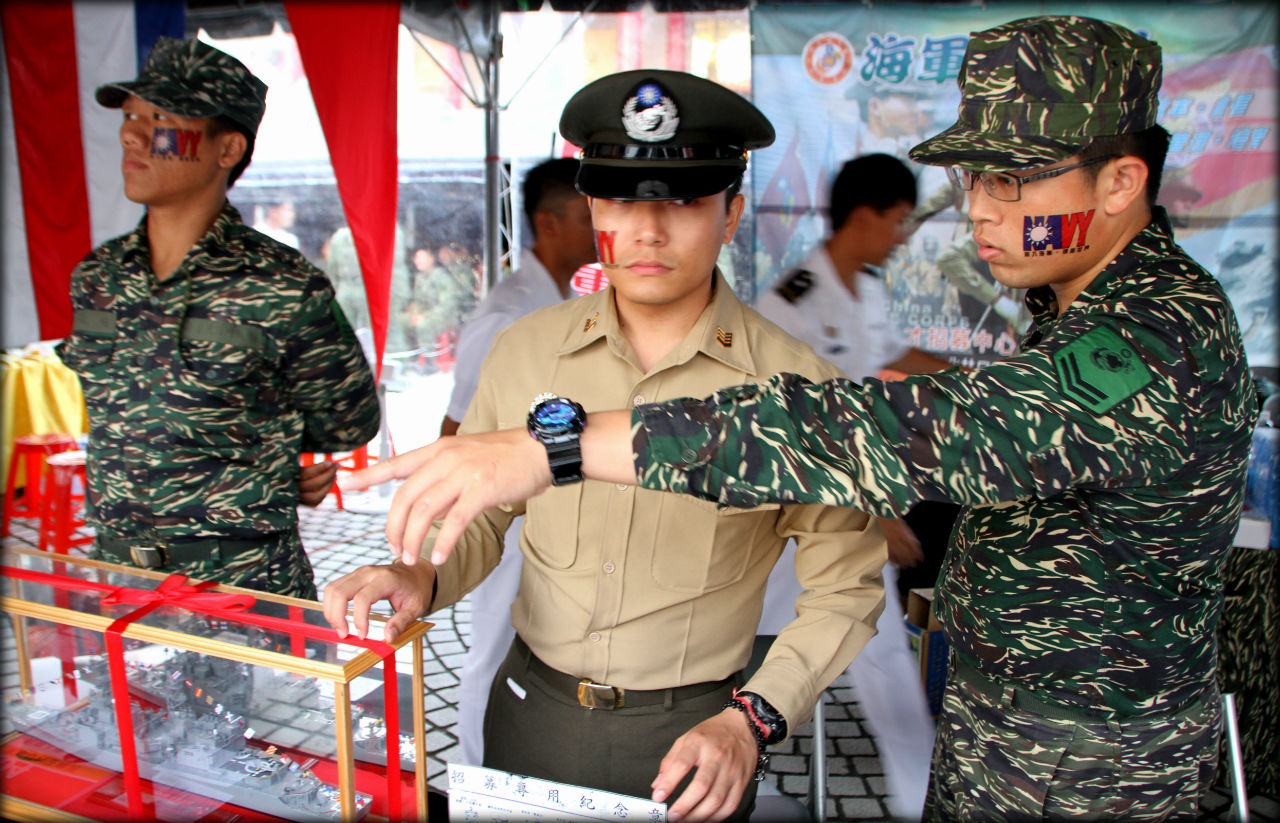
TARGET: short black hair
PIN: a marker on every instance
(735, 188)
(1149, 145)
(222, 124)
(880, 181)
(548, 186)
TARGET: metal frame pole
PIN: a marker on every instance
(492, 158)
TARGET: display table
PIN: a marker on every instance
(154, 697)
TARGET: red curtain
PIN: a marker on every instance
(40, 53)
(348, 50)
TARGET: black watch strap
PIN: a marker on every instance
(565, 458)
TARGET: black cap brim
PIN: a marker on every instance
(653, 182)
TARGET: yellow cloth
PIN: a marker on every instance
(41, 396)
(644, 589)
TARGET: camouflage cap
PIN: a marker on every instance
(1036, 90)
(652, 134)
(190, 78)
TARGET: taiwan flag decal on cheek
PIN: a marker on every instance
(1055, 233)
(604, 247)
(177, 143)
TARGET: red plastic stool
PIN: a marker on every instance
(352, 461)
(29, 451)
(63, 505)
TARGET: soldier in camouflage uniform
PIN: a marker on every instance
(1102, 468)
(210, 354)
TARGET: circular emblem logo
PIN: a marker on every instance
(1109, 360)
(590, 278)
(650, 116)
(828, 57)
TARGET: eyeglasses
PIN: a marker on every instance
(1008, 187)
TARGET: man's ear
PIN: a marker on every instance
(1123, 181)
(545, 224)
(735, 208)
(231, 148)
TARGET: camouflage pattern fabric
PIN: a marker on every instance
(1250, 661)
(203, 389)
(442, 299)
(1102, 469)
(280, 567)
(1034, 91)
(190, 78)
(342, 266)
(995, 761)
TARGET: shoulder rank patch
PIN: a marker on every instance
(793, 287)
(1100, 370)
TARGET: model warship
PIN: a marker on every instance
(281, 708)
(200, 751)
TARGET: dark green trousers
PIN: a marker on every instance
(534, 726)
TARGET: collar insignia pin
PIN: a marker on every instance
(724, 338)
(591, 323)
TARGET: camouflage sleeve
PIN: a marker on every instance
(329, 379)
(1095, 405)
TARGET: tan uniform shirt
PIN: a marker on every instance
(644, 589)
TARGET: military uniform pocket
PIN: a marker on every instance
(688, 531)
(551, 520)
(90, 349)
(216, 353)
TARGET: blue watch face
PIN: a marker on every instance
(555, 414)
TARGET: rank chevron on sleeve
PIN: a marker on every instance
(1099, 370)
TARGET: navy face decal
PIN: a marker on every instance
(1055, 233)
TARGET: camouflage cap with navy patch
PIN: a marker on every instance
(190, 78)
(652, 134)
(1036, 91)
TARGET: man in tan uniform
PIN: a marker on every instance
(636, 610)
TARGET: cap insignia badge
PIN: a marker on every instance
(650, 116)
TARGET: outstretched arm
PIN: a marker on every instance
(456, 478)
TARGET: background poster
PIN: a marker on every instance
(838, 83)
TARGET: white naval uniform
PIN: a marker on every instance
(859, 337)
(530, 287)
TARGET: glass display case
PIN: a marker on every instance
(152, 696)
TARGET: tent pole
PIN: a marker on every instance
(492, 159)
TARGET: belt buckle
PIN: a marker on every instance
(148, 556)
(593, 695)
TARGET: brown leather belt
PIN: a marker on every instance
(592, 695)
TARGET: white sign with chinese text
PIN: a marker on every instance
(478, 794)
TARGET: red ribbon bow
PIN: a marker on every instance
(176, 591)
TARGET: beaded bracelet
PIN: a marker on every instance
(767, 725)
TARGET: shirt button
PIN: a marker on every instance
(609, 567)
(638, 399)
(688, 455)
(594, 637)
(622, 487)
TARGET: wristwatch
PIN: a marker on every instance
(557, 422)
